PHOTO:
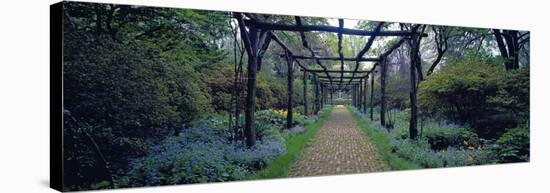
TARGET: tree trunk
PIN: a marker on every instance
(508, 50)
(513, 49)
(418, 62)
(435, 63)
(441, 36)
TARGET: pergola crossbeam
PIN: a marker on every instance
(367, 47)
(322, 28)
(334, 71)
(338, 58)
(346, 77)
(305, 44)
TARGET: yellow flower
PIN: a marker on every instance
(280, 113)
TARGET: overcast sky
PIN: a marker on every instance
(348, 23)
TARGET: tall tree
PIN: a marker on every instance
(442, 35)
(509, 43)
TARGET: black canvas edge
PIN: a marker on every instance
(56, 96)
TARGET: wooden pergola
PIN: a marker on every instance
(257, 35)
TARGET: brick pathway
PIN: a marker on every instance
(340, 147)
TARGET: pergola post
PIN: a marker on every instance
(325, 95)
(322, 97)
(353, 96)
(414, 62)
(360, 106)
(290, 79)
(357, 98)
(304, 79)
(331, 99)
(316, 91)
(372, 97)
(383, 69)
(365, 94)
(249, 38)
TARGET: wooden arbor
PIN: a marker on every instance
(257, 35)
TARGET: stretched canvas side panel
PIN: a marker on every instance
(56, 96)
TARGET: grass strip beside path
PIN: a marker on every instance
(383, 143)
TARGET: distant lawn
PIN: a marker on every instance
(295, 145)
(382, 142)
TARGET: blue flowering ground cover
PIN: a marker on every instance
(441, 144)
(206, 152)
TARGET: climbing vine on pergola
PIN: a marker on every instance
(256, 36)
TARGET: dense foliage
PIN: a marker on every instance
(480, 95)
(134, 75)
(513, 146)
(124, 88)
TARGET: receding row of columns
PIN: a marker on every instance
(257, 41)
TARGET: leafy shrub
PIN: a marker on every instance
(441, 138)
(299, 109)
(300, 119)
(277, 119)
(512, 98)
(269, 118)
(440, 145)
(417, 151)
(514, 92)
(420, 152)
(513, 146)
(127, 88)
(263, 129)
(272, 91)
(461, 157)
(220, 86)
(461, 92)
